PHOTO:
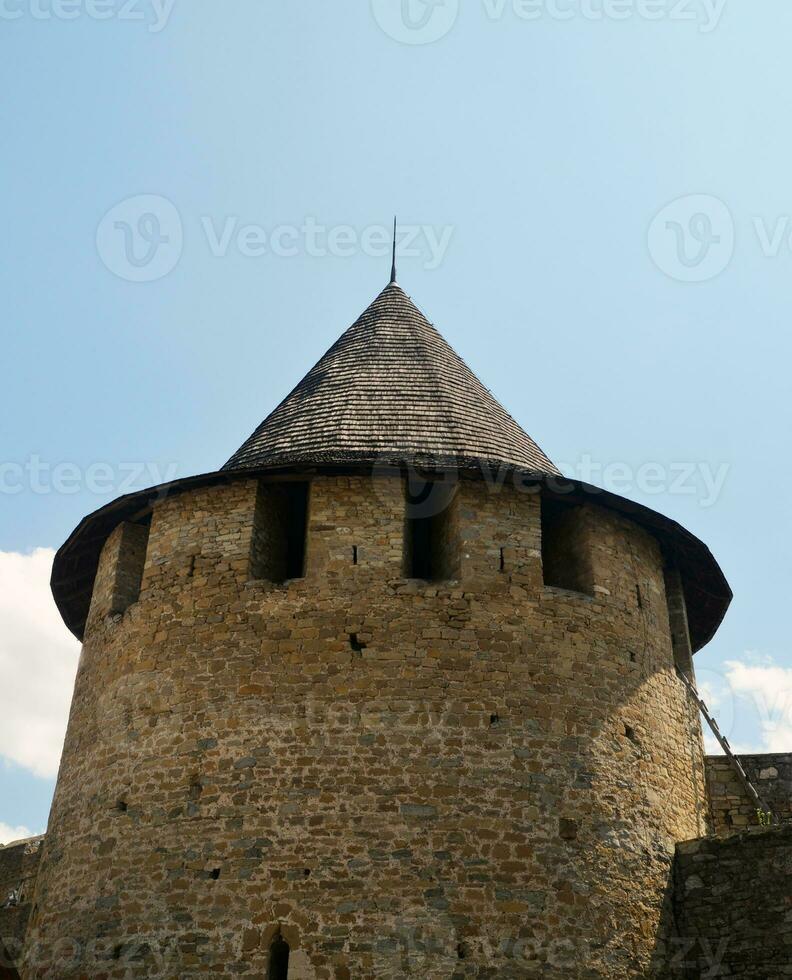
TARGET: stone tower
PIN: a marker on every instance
(383, 697)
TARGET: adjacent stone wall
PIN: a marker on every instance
(18, 868)
(483, 777)
(733, 897)
(731, 808)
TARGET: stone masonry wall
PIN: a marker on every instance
(733, 904)
(732, 810)
(18, 868)
(475, 778)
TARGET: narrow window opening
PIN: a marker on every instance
(502, 560)
(431, 539)
(280, 526)
(633, 657)
(494, 719)
(354, 554)
(191, 572)
(420, 546)
(566, 559)
(629, 732)
(215, 874)
(130, 563)
(355, 643)
(279, 959)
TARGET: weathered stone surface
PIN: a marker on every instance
(18, 868)
(732, 902)
(732, 810)
(478, 777)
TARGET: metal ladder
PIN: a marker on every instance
(735, 763)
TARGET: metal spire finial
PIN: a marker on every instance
(393, 267)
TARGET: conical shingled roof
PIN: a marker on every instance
(388, 390)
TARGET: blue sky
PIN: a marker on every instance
(598, 196)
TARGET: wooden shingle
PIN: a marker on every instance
(390, 389)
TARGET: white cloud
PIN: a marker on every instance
(715, 691)
(9, 834)
(38, 661)
(769, 688)
(751, 699)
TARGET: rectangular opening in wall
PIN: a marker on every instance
(431, 531)
(280, 526)
(130, 564)
(566, 559)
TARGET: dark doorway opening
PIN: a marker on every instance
(279, 960)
